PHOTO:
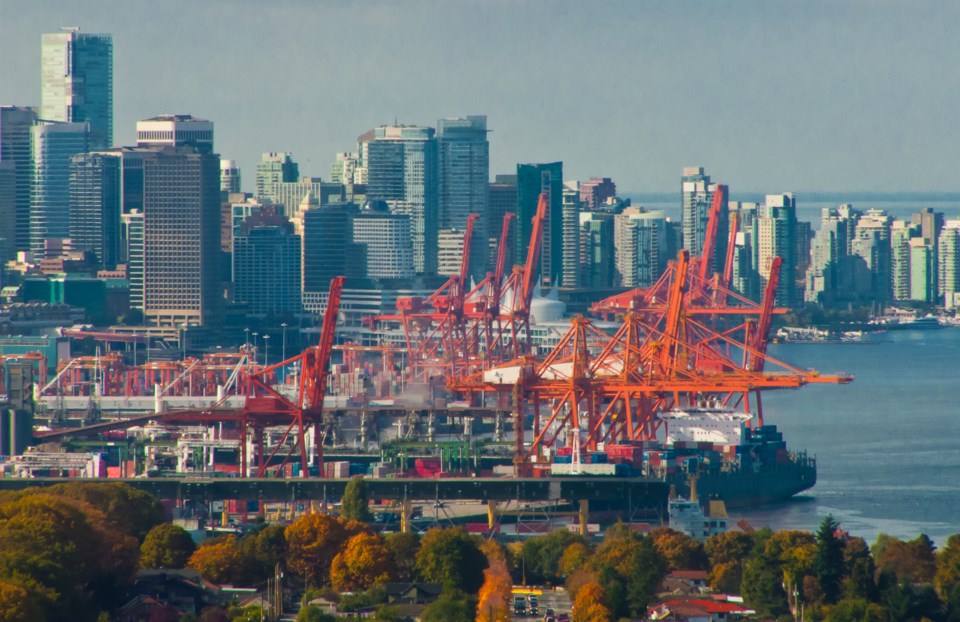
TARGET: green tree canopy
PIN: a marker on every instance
(540, 555)
(355, 503)
(452, 558)
(403, 549)
(166, 546)
(452, 606)
(828, 566)
(630, 571)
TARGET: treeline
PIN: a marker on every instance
(72, 551)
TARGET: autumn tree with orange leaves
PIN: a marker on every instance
(494, 596)
(364, 562)
(313, 540)
(590, 606)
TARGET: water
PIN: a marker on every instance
(887, 445)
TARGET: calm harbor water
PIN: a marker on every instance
(887, 445)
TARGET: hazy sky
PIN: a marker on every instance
(769, 96)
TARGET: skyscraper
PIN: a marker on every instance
(95, 197)
(596, 190)
(181, 232)
(697, 199)
(597, 249)
(53, 145)
(132, 224)
(15, 129)
(229, 177)
(948, 263)
(532, 180)
(384, 239)
(8, 210)
(266, 265)
(464, 160)
(639, 239)
(402, 170)
(76, 83)
(327, 234)
(570, 270)
(176, 130)
(273, 169)
(776, 237)
(501, 200)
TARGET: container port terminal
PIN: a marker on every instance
(662, 391)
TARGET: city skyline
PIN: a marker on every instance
(767, 96)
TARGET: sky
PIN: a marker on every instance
(769, 96)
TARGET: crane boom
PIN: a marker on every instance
(321, 364)
(713, 227)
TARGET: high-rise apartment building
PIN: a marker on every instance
(176, 130)
(923, 285)
(948, 264)
(639, 237)
(464, 171)
(53, 145)
(273, 169)
(450, 252)
(597, 250)
(95, 201)
(596, 191)
(402, 169)
(347, 169)
(825, 276)
(76, 82)
(266, 265)
(900, 236)
(16, 123)
(871, 250)
(776, 237)
(532, 180)
(181, 232)
(697, 199)
(570, 270)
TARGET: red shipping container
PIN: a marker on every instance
(113, 471)
(564, 451)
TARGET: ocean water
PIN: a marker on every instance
(887, 445)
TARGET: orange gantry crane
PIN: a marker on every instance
(594, 387)
(459, 330)
(266, 408)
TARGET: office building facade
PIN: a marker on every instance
(532, 180)
(181, 231)
(76, 82)
(402, 169)
(95, 204)
(52, 147)
(697, 199)
(266, 266)
(176, 130)
(273, 169)
(16, 123)
(464, 171)
(384, 240)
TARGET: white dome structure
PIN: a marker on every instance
(546, 309)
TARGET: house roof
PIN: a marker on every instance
(700, 605)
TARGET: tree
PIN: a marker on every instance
(403, 549)
(452, 558)
(630, 571)
(62, 551)
(355, 504)
(590, 605)
(166, 546)
(126, 508)
(363, 562)
(494, 597)
(263, 549)
(828, 566)
(17, 604)
(219, 561)
(730, 546)
(948, 567)
(762, 586)
(860, 571)
(574, 557)
(314, 614)
(541, 555)
(313, 540)
(680, 551)
(452, 606)
(856, 610)
(913, 561)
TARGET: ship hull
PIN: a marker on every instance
(746, 488)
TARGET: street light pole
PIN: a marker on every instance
(266, 349)
(255, 335)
